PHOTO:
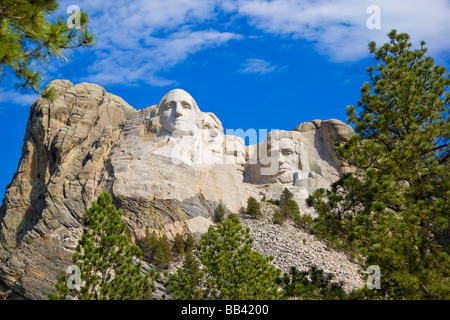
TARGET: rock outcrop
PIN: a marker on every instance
(167, 166)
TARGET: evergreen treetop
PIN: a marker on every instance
(231, 270)
(29, 38)
(253, 207)
(392, 210)
(219, 213)
(108, 263)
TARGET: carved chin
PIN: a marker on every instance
(287, 177)
(176, 131)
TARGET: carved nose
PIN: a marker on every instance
(178, 110)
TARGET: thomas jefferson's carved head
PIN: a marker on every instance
(211, 139)
(211, 126)
(235, 148)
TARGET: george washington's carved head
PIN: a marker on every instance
(178, 113)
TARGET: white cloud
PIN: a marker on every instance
(338, 27)
(136, 40)
(258, 66)
(143, 63)
(139, 39)
(8, 97)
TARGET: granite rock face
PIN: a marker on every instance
(63, 159)
(167, 166)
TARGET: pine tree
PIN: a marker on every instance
(278, 218)
(231, 270)
(178, 245)
(303, 221)
(286, 195)
(313, 284)
(392, 210)
(219, 213)
(291, 209)
(190, 243)
(28, 38)
(108, 263)
(288, 208)
(288, 205)
(148, 245)
(253, 207)
(192, 267)
(233, 216)
(163, 254)
(185, 283)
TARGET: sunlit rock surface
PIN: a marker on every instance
(167, 166)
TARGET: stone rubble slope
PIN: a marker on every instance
(291, 246)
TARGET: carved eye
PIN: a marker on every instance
(186, 105)
(168, 106)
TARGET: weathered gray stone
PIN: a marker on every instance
(167, 166)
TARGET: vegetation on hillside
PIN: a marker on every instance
(392, 211)
(105, 264)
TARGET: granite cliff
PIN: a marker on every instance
(167, 166)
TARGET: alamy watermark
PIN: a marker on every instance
(374, 20)
(74, 280)
(74, 20)
(374, 278)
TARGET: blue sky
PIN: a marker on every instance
(255, 63)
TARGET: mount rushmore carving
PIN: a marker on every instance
(167, 166)
(186, 135)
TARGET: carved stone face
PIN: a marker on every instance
(211, 129)
(178, 113)
(211, 138)
(240, 157)
(235, 150)
(288, 161)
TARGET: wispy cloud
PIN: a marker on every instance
(139, 40)
(12, 97)
(338, 27)
(136, 40)
(144, 63)
(258, 66)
